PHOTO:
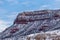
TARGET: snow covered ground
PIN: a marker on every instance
(50, 35)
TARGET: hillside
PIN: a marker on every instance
(27, 23)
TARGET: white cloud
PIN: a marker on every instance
(25, 3)
(55, 4)
(13, 2)
(45, 7)
(3, 25)
(13, 15)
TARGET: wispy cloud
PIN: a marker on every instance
(3, 25)
(5, 19)
(26, 3)
(13, 15)
(12, 2)
(45, 7)
(7, 23)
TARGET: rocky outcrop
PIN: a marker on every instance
(28, 23)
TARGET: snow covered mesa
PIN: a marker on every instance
(27, 23)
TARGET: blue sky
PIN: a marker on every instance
(9, 9)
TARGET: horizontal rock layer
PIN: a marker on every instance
(33, 22)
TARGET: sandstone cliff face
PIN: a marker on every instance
(33, 22)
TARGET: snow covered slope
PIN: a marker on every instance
(27, 23)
